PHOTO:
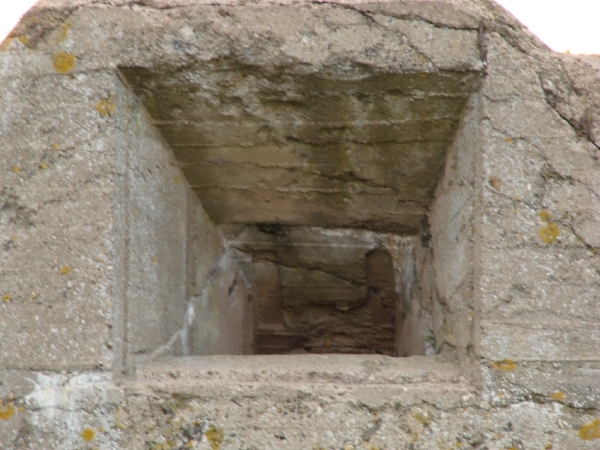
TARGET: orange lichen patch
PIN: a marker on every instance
(544, 215)
(214, 437)
(7, 411)
(548, 233)
(6, 298)
(63, 62)
(506, 365)
(63, 32)
(508, 139)
(15, 169)
(557, 396)
(496, 183)
(590, 430)
(88, 434)
(65, 270)
(105, 107)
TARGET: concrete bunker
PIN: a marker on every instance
(320, 182)
(163, 162)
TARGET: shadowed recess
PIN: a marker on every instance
(275, 145)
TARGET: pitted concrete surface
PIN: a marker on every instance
(144, 143)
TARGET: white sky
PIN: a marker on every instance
(572, 25)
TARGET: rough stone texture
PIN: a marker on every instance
(57, 193)
(138, 137)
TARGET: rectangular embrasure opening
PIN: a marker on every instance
(320, 183)
(318, 290)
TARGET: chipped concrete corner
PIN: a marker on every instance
(293, 224)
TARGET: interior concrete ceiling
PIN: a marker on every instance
(274, 145)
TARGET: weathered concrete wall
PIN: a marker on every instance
(152, 251)
(539, 274)
(449, 284)
(58, 187)
(180, 294)
(109, 260)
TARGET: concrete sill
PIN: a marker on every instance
(369, 378)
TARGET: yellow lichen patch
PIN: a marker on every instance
(544, 215)
(6, 298)
(23, 39)
(105, 107)
(54, 146)
(414, 438)
(4, 45)
(590, 430)
(548, 446)
(65, 270)
(215, 437)
(557, 396)
(63, 62)
(508, 139)
(548, 233)
(176, 179)
(423, 418)
(88, 434)
(21, 409)
(43, 166)
(506, 365)
(100, 429)
(7, 411)
(15, 169)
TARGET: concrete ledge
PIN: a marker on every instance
(313, 369)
